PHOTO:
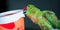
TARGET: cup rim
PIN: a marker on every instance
(10, 12)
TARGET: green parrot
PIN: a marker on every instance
(52, 18)
(37, 17)
(58, 24)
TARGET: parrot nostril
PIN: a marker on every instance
(8, 26)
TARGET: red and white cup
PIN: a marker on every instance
(12, 20)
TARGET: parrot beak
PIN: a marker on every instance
(25, 8)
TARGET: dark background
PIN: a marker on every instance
(42, 4)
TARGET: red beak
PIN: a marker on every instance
(25, 8)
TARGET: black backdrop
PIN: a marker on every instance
(42, 4)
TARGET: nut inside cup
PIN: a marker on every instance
(8, 14)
